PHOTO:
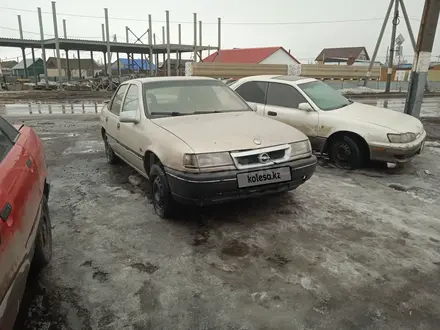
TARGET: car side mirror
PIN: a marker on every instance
(305, 106)
(129, 117)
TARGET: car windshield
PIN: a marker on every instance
(187, 97)
(325, 97)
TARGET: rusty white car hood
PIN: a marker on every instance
(390, 119)
(229, 131)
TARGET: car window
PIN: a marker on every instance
(5, 145)
(253, 91)
(115, 107)
(131, 102)
(8, 129)
(325, 97)
(283, 95)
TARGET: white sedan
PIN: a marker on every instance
(350, 133)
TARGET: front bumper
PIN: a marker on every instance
(397, 152)
(212, 188)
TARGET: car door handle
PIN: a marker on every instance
(118, 126)
(272, 113)
(5, 212)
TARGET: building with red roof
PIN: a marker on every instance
(264, 55)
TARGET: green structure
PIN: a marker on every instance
(33, 68)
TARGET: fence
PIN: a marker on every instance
(239, 70)
(396, 86)
(48, 108)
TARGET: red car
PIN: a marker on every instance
(25, 228)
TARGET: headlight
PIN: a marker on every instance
(299, 148)
(207, 160)
(401, 138)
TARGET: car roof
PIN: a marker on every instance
(175, 78)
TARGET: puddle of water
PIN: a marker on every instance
(85, 147)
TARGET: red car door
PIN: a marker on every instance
(20, 196)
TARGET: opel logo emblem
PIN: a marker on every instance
(256, 141)
(264, 158)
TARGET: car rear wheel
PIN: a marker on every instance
(43, 243)
(109, 153)
(161, 194)
(346, 153)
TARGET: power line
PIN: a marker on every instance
(47, 34)
(223, 23)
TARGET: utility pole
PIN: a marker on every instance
(107, 36)
(195, 37)
(379, 40)
(392, 43)
(422, 57)
(167, 14)
(57, 44)
(43, 51)
(219, 37)
(384, 24)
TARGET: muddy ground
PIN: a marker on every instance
(347, 250)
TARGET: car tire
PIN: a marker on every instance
(43, 241)
(109, 153)
(160, 192)
(346, 153)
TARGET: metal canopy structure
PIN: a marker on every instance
(100, 46)
(106, 46)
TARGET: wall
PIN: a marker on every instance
(279, 57)
(73, 72)
(338, 71)
(434, 75)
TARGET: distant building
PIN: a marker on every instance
(129, 65)
(88, 67)
(342, 55)
(6, 67)
(174, 64)
(265, 55)
(33, 69)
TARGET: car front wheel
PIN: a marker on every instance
(346, 153)
(161, 194)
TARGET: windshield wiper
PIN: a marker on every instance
(344, 105)
(174, 113)
(217, 111)
(204, 112)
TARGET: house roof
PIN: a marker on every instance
(86, 63)
(341, 52)
(245, 55)
(137, 63)
(29, 63)
(8, 64)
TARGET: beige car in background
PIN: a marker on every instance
(350, 133)
(200, 143)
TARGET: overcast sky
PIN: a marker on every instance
(246, 23)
